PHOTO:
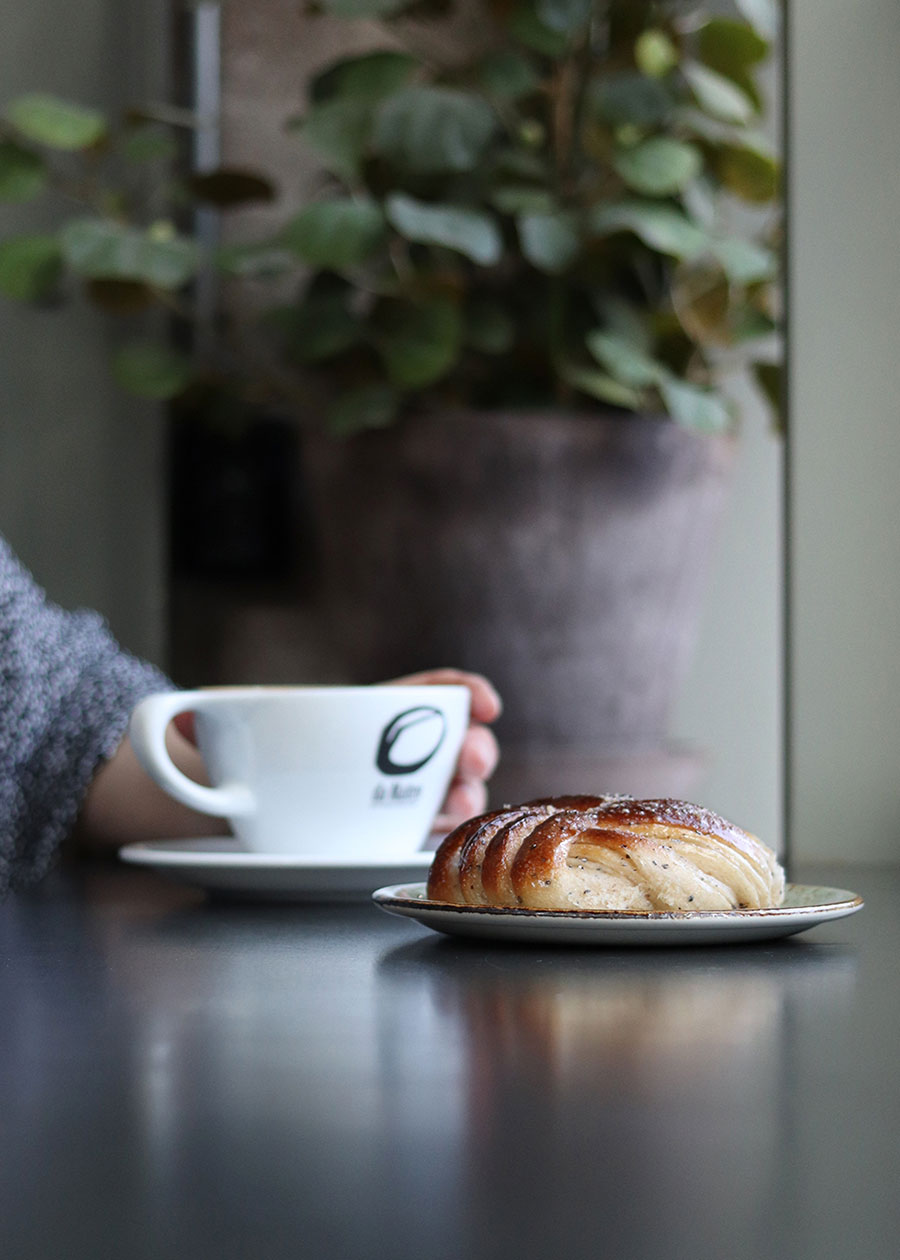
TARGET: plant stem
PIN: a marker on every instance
(568, 91)
(562, 94)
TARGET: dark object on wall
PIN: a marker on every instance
(564, 556)
(236, 505)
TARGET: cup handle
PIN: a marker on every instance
(147, 732)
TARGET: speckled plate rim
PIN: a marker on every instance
(806, 905)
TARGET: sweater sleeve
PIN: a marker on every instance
(66, 693)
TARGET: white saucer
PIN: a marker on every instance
(804, 907)
(220, 865)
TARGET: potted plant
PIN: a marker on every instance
(518, 294)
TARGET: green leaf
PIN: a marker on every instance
(729, 47)
(749, 173)
(742, 261)
(339, 233)
(23, 174)
(30, 267)
(261, 261)
(431, 130)
(370, 77)
(528, 29)
(600, 386)
(419, 342)
(717, 95)
(365, 8)
(695, 408)
(563, 15)
(489, 327)
(522, 199)
(661, 227)
(701, 299)
(508, 75)
(550, 242)
(630, 99)
(658, 166)
(56, 123)
(702, 127)
(339, 131)
(746, 83)
(321, 328)
(367, 407)
(624, 360)
(149, 144)
(473, 233)
(521, 164)
(105, 250)
(770, 379)
(761, 14)
(623, 318)
(169, 115)
(151, 371)
(228, 187)
(700, 201)
(750, 325)
(655, 53)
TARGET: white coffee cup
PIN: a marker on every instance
(345, 773)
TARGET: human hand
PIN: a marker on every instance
(478, 757)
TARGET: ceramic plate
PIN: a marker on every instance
(804, 907)
(221, 866)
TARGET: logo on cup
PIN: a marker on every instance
(410, 740)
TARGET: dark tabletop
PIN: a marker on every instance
(188, 1078)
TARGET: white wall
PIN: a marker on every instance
(80, 465)
(844, 193)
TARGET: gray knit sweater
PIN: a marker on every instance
(66, 692)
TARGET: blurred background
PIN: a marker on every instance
(209, 552)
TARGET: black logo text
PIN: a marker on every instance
(410, 740)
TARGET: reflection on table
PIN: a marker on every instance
(186, 1077)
